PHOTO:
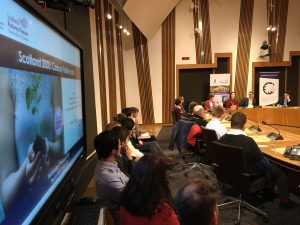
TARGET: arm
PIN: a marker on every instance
(228, 104)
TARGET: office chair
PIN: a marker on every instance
(197, 152)
(238, 176)
(209, 136)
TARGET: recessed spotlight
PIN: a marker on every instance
(273, 28)
(127, 33)
(269, 27)
(108, 16)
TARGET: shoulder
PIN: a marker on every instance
(168, 215)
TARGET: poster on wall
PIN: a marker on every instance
(220, 86)
(268, 88)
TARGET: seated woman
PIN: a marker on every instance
(147, 198)
(232, 102)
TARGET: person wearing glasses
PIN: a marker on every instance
(249, 102)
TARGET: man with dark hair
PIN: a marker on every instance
(285, 100)
(127, 111)
(249, 102)
(256, 161)
(109, 179)
(196, 203)
(215, 123)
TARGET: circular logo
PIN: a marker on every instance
(269, 88)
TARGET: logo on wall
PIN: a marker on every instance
(269, 88)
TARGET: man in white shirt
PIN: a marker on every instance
(215, 123)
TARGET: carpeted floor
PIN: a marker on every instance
(277, 216)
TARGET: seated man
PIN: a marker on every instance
(198, 116)
(285, 100)
(256, 161)
(110, 181)
(249, 102)
(189, 114)
(196, 203)
(215, 123)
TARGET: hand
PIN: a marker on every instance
(32, 165)
(128, 153)
(141, 142)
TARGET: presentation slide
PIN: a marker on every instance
(73, 126)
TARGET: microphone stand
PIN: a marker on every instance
(272, 135)
(255, 128)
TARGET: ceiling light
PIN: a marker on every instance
(121, 27)
(127, 33)
(269, 27)
(273, 28)
(108, 16)
(125, 30)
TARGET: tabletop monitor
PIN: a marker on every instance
(42, 136)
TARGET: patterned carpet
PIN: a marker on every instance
(277, 216)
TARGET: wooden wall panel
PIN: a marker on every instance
(120, 60)
(243, 47)
(143, 73)
(102, 83)
(111, 69)
(277, 16)
(203, 38)
(168, 66)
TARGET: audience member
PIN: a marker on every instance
(176, 111)
(129, 125)
(249, 102)
(210, 103)
(125, 160)
(196, 203)
(215, 123)
(181, 98)
(232, 102)
(198, 116)
(109, 179)
(189, 113)
(256, 161)
(147, 198)
(285, 100)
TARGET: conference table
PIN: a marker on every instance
(274, 149)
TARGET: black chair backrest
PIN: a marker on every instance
(209, 136)
(231, 165)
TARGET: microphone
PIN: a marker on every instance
(255, 128)
(273, 135)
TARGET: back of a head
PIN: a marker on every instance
(238, 120)
(127, 111)
(112, 125)
(218, 111)
(196, 203)
(191, 106)
(147, 186)
(106, 142)
(198, 110)
(128, 123)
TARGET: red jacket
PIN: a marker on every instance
(231, 102)
(163, 216)
(194, 132)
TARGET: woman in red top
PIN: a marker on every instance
(147, 198)
(232, 103)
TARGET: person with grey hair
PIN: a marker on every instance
(196, 203)
(198, 116)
